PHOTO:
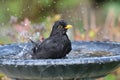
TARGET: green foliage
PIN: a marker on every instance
(9, 8)
(45, 3)
(35, 10)
(2, 16)
(112, 6)
(110, 77)
(1, 75)
(65, 4)
(5, 40)
(14, 7)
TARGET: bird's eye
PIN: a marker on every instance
(59, 27)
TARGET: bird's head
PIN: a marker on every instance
(60, 26)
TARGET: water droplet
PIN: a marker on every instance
(96, 3)
(71, 20)
(42, 9)
(16, 65)
(25, 66)
(111, 59)
(8, 9)
(61, 4)
(25, 24)
(49, 5)
(69, 16)
(97, 6)
(54, 2)
(28, 7)
(82, 11)
(24, 10)
(3, 24)
(61, 78)
(43, 16)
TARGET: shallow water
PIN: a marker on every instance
(73, 54)
(87, 53)
(79, 50)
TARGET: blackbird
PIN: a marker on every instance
(57, 45)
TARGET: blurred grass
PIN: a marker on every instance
(110, 77)
(5, 40)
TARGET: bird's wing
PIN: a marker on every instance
(49, 48)
(52, 45)
(68, 49)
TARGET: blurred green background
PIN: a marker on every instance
(92, 20)
(35, 10)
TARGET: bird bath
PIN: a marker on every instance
(87, 60)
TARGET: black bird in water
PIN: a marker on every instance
(57, 45)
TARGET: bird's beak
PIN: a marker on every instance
(68, 26)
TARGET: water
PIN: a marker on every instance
(16, 51)
(86, 53)
(79, 50)
(73, 54)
